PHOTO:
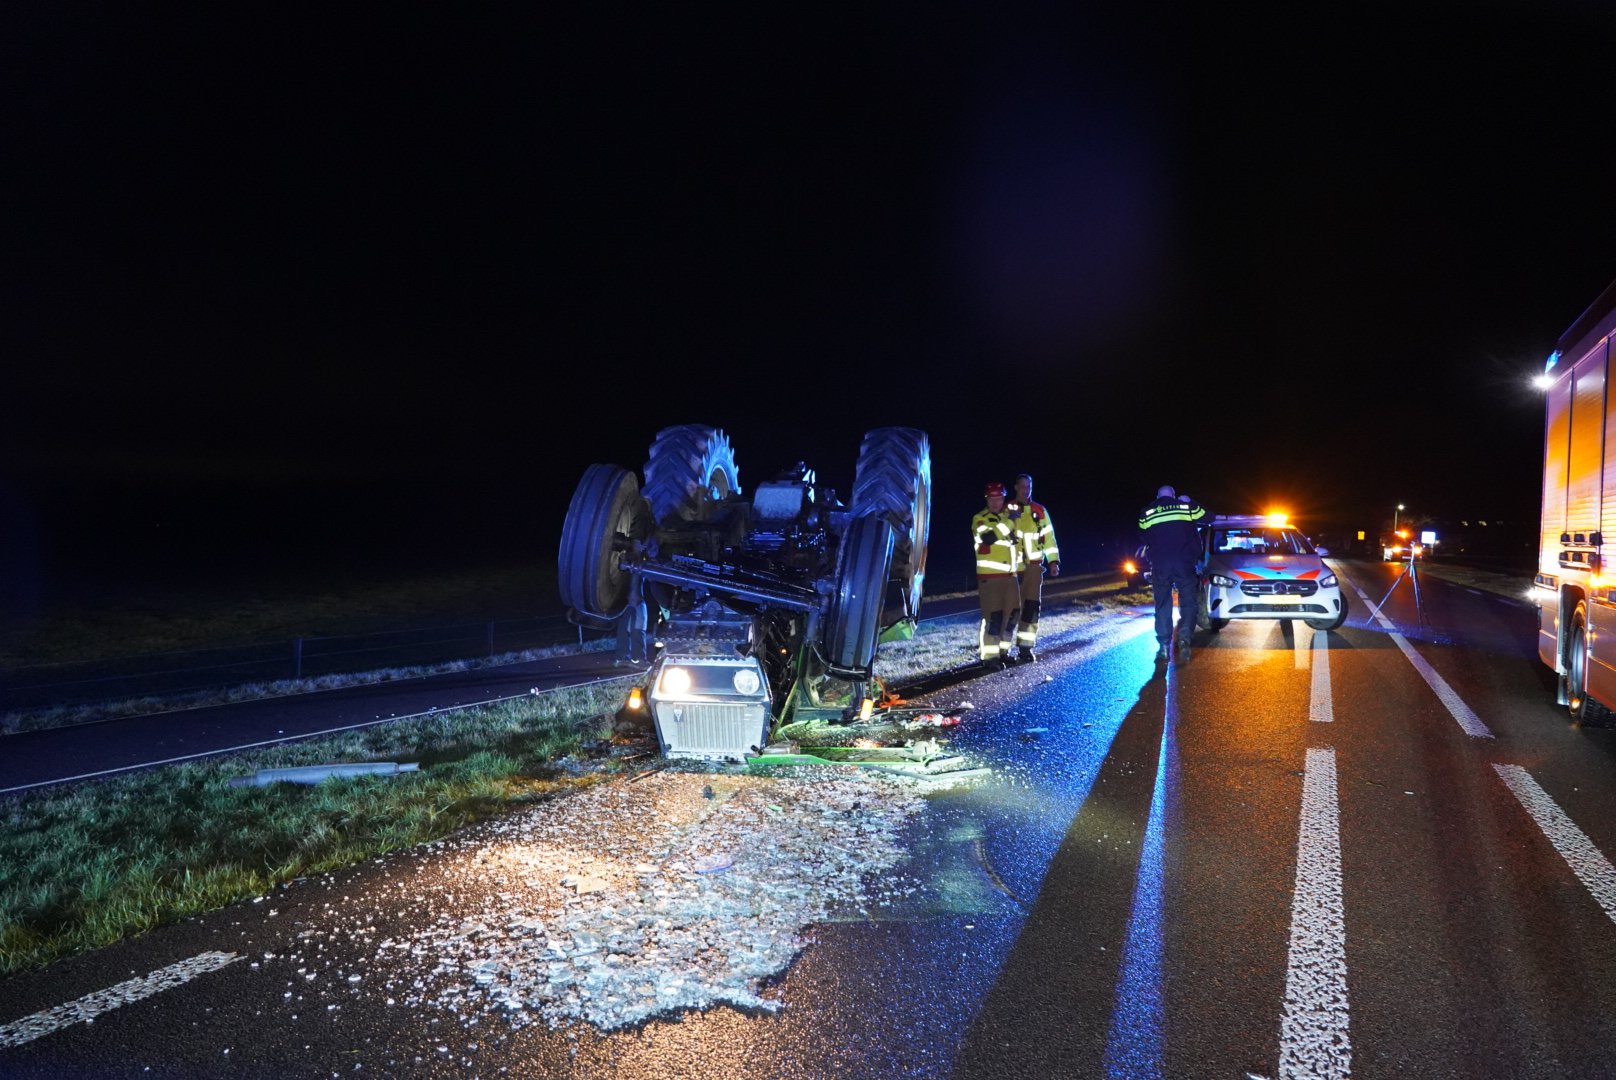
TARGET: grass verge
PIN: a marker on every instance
(87, 865)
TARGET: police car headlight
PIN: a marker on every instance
(1223, 582)
(1327, 581)
(746, 681)
(675, 681)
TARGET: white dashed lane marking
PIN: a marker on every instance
(90, 1006)
(1319, 707)
(1313, 1038)
(1465, 716)
(1579, 852)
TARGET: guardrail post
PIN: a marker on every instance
(297, 658)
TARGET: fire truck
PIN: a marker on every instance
(1576, 596)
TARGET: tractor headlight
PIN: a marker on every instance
(746, 681)
(674, 681)
(1223, 582)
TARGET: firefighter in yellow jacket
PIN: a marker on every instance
(997, 560)
(1035, 539)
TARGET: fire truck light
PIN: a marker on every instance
(1543, 380)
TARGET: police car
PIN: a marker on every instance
(1261, 567)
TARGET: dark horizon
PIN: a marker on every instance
(362, 292)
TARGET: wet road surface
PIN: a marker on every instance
(1381, 852)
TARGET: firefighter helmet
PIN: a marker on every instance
(995, 489)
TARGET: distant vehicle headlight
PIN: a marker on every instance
(1327, 581)
(675, 680)
(746, 681)
(1222, 581)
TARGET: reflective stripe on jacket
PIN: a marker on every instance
(1168, 526)
(998, 532)
(1035, 532)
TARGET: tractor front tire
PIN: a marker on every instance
(606, 516)
(853, 622)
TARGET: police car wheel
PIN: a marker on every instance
(1331, 624)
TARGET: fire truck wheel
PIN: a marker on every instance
(1583, 708)
(893, 480)
(690, 469)
(605, 516)
(853, 623)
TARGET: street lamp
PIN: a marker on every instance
(1399, 510)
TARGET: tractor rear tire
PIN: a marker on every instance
(691, 468)
(893, 480)
(853, 622)
(605, 516)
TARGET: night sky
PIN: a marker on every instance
(378, 282)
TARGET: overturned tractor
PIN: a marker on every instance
(748, 610)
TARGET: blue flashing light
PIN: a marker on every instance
(1554, 358)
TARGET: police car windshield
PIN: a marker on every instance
(1260, 542)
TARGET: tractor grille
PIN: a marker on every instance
(700, 729)
(1301, 609)
(1282, 587)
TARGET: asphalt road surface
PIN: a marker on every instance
(1381, 852)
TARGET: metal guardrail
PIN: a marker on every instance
(73, 683)
(36, 686)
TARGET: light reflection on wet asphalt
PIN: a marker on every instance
(893, 992)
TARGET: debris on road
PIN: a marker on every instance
(628, 901)
(315, 774)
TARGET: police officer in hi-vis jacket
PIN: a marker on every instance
(997, 560)
(1168, 527)
(1035, 537)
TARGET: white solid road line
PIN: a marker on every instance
(1319, 706)
(1579, 852)
(90, 1006)
(1313, 1040)
(1462, 713)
